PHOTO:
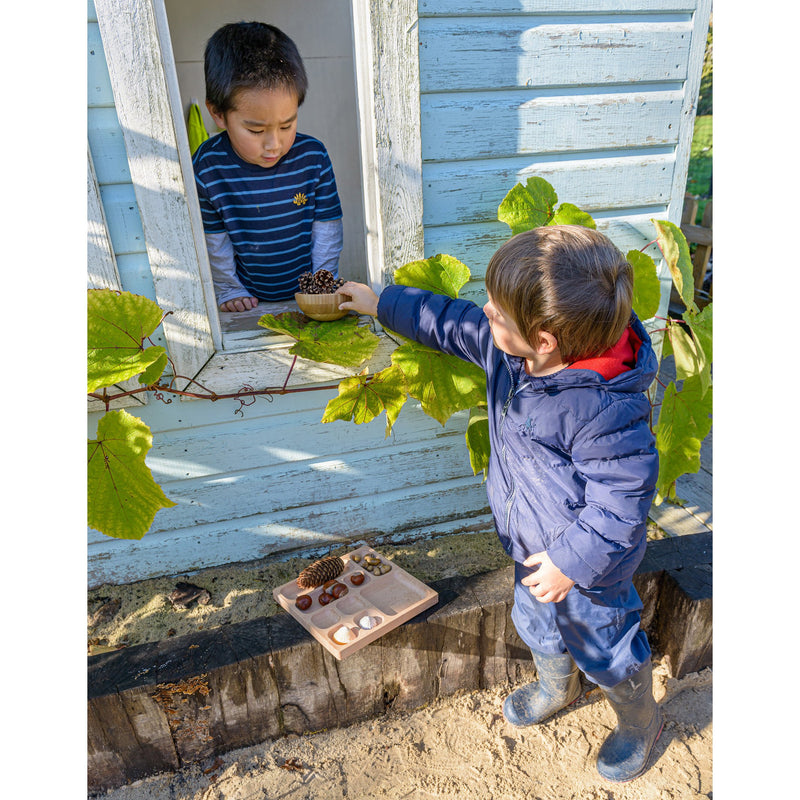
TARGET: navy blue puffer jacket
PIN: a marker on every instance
(573, 465)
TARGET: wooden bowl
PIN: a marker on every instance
(321, 307)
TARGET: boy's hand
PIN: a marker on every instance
(362, 299)
(239, 304)
(548, 584)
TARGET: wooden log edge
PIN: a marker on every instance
(155, 707)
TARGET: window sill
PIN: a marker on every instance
(241, 331)
(258, 358)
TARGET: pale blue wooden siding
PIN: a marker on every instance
(588, 95)
(275, 479)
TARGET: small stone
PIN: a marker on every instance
(186, 593)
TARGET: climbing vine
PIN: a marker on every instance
(124, 497)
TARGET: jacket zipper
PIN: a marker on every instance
(513, 492)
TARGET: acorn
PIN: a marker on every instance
(320, 572)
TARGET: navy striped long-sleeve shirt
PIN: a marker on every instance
(267, 212)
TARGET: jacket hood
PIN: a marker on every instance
(629, 366)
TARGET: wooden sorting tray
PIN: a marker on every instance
(390, 599)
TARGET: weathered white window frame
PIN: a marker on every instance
(143, 77)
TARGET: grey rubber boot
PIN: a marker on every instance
(623, 756)
(559, 685)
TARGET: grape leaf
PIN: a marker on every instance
(441, 274)
(342, 342)
(675, 249)
(646, 285)
(477, 437)
(118, 324)
(528, 206)
(363, 397)
(123, 497)
(692, 348)
(683, 422)
(569, 214)
(443, 383)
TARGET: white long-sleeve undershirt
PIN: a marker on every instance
(327, 240)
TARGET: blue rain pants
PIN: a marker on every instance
(599, 628)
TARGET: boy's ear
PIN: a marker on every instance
(219, 119)
(546, 344)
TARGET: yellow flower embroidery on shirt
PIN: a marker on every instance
(300, 199)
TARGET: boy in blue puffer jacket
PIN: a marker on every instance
(573, 462)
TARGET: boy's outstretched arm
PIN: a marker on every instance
(362, 299)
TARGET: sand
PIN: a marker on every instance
(460, 747)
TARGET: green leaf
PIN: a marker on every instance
(701, 326)
(684, 420)
(675, 249)
(342, 342)
(441, 274)
(477, 437)
(569, 214)
(123, 497)
(364, 397)
(155, 370)
(443, 383)
(528, 206)
(646, 286)
(118, 324)
(692, 349)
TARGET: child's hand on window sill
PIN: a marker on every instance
(239, 304)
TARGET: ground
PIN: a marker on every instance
(460, 747)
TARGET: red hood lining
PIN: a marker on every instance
(619, 358)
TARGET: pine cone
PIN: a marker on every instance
(321, 571)
(306, 283)
(324, 281)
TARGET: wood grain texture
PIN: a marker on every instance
(470, 191)
(394, 71)
(508, 52)
(139, 81)
(512, 7)
(497, 124)
(102, 265)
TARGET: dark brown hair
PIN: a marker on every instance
(567, 280)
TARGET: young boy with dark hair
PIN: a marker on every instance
(268, 195)
(573, 462)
